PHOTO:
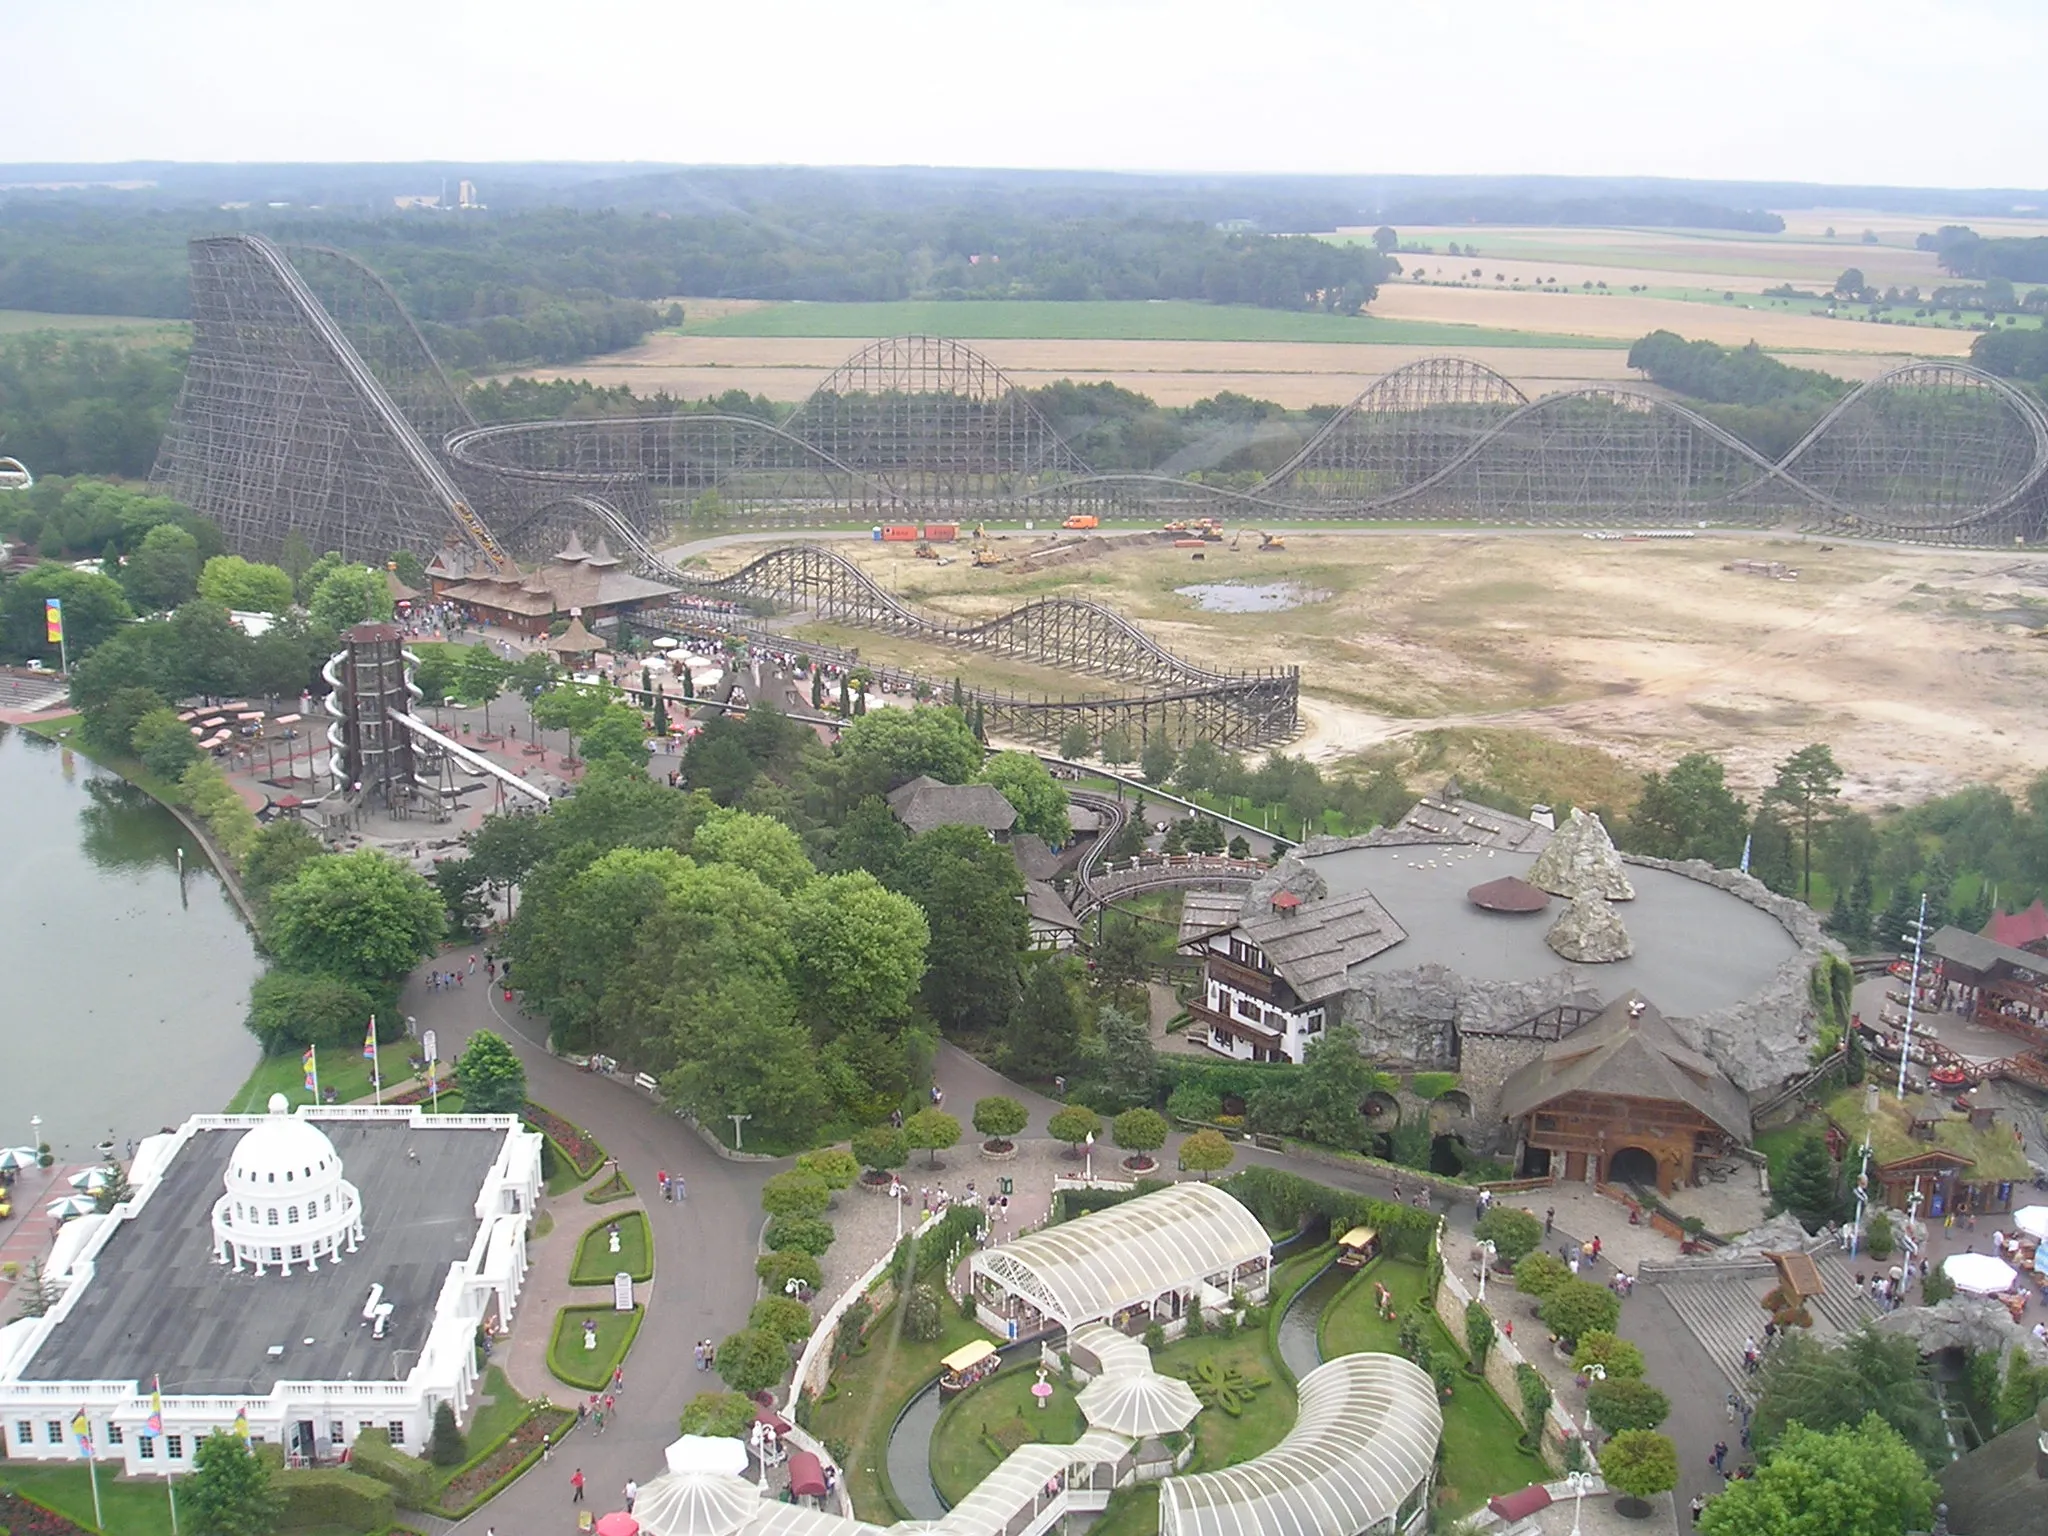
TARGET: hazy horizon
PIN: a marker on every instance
(1756, 92)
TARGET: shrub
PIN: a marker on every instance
(726, 1415)
(1639, 1463)
(1194, 1101)
(1142, 1131)
(838, 1169)
(999, 1118)
(783, 1316)
(752, 1361)
(795, 1195)
(1623, 1404)
(800, 1234)
(1619, 1358)
(1936, 1286)
(1879, 1239)
(1074, 1124)
(931, 1131)
(445, 1446)
(334, 1497)
(924, 1318)
(1478, 1333)
(1512, 1231)
(1154, 1338)
(1538, 1274)
(411, 1480)
(1432, 1085)
(1579, 1307)
(881, 1148)
(1534, 1393)
(777, 1269)
(1207, 1152)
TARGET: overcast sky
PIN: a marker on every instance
(1882, 91)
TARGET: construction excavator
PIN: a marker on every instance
(1268, 542)
(985, 555)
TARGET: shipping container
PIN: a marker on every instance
(941, 533)
(900, 533)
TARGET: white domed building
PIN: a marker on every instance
(287, 1203)
(323, 1272)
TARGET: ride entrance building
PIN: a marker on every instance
(313, 1274)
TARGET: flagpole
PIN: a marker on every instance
(92, 1470)
(170, 1488)
(376, 1066)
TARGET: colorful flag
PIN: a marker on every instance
(242, 1423)
(82, 1428)
(53, 619)
(311, 1063)
(370, 1040)
(156, 1406)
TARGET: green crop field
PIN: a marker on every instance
(1110, 320)
(15, 322)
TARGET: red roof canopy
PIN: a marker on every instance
(806, 1476)
(1520, 1505)
(2019, 929)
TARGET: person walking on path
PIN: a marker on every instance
(1699, 1507)
(576, 1487)
(632, 1492)
(1549, 1219)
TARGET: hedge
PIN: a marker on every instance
(596, 1264)
(415, 1484)
(939, 1249)
(1287, 1202)
(333, 1496)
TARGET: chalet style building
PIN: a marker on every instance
(1622, 1099)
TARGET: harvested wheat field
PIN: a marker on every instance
(1917, 666)
(1173, 373)
(1626, 316)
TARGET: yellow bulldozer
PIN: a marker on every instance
(985, 555)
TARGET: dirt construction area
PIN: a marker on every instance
(1576, 664)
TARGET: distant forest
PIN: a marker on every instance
(1743, 390)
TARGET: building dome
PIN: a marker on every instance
(286, 1202)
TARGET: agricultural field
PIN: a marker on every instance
(16, 322)
(1563, 668)
(1561, 334)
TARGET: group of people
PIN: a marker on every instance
(707, 1355)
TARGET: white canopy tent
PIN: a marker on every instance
(1979, 1273)
(1140, 1405)
(707, 1453)
(2032, 1220)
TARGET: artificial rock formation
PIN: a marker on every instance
(1590, 931)
(1581, 860)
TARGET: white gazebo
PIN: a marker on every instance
(1139, 1262)
(286, 1203)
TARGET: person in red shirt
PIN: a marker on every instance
(576, 1483)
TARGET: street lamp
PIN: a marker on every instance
(1486, 1253)
(737, 1122)
(1578, 1483)
(35, 1132)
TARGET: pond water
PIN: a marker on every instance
(1247, 597)
(121, 1001)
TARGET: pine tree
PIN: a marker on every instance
(1939, 882)
(1046, 1035)
(845, 700)
(1900, 908)
(1809, 1189)
(1850, 919)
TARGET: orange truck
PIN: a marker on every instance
(1080, 520)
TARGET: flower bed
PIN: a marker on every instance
(576, 1146)
(481, 1479)
(26, 1518)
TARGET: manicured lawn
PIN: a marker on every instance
(590, 1369)
(596, 1263)
(497, 1418)
(131, 1509)
(1108, 320)
(869, 1390)
(1005, 1410)
(448, 1102)
(1480, 1458)
(1220, 1439)
(1132, 1512)
(617, 1187)
(346, 1072)
(1350, 1326)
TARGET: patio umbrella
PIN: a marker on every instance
(13, 1158)
(2030, 1219)
(1979, 1273)
(666, 643)
(707, 1453)
(72, 1205)
(92, 1179)
(617, 1523)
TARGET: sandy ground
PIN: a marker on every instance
(1626, 316)
(1295, 374)
(1917, 666)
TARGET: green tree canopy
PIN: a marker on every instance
(1626, 1403)
(859, 952)
(969, 889)
(888, 747)
(932, 1131)
(347, 595)
(245, 585)
(1809, 788)
(1688, 813)
(1322, 1100)
(795, 1193)
(838, 1169)
(999, 1118)
(163, 571)
(1207, 1151)
(752, 1360)
(94, 608)
(618, 734)
(1045, 1038)
(881, 1147)
(1857, 1480)
(870, 838)
(1514, 1233)
(1614, 1355)
(1039, 799)
(1123, 1054)
(1073, 1125)
(1579, 1307)
(1075, 742)
(1810, 1189)
(759, 843)
(361, 916)
(164, 743)
(1830, 1387)
(1640, 1463)
(492, 1076)
(229, 1492)
(1139, 1130)
(288, 1009)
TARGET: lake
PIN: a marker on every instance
(121, 1003)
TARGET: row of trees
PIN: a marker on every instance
(1743, 389)
(73, 405)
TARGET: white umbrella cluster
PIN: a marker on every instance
(14, 1159)
(1979, 1273)
(2032, 1220)
(73, 1205)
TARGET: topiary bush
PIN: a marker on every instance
(784, 1316)
(445, 1446)
(1512, 1231)
(838, 1169)
(1623, 1403)
(1616, 1356)
(777, 1269)
(1579, 1307)
(1538, 1274)
(726, 1415)
(795, 1194)
(332, 1497)
(800, 1234)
